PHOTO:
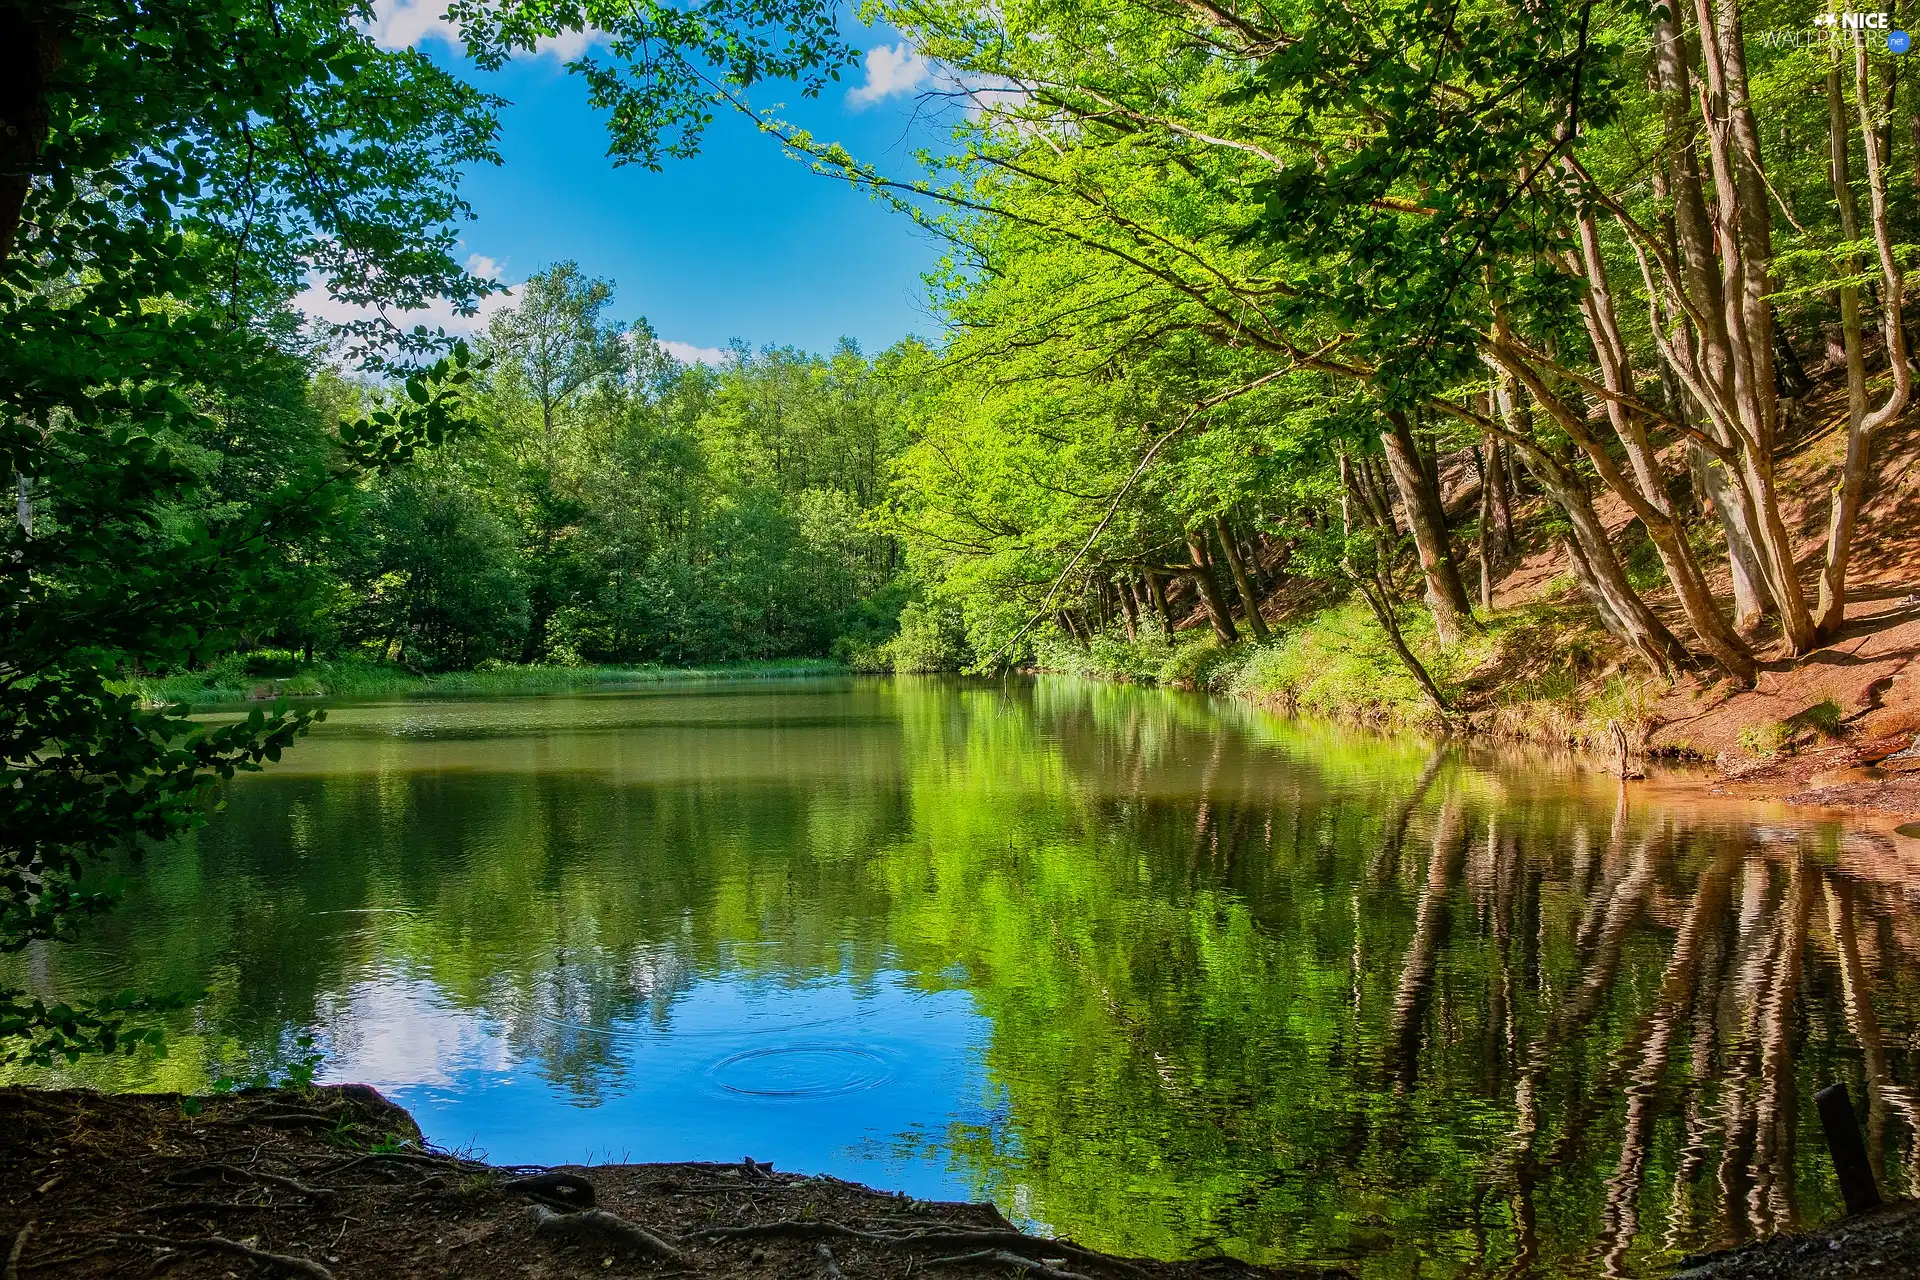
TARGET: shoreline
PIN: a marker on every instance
(334, 1181)
(352, 680)
(1850, 772)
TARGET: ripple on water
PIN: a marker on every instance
(801, 1071)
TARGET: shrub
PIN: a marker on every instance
(1822, 717)
(932, 638)
(1766, 740)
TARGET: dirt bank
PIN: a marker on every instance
(1882, 1245)
(335, 1182)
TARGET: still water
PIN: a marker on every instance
(1167, 975)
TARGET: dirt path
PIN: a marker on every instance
(335, 1182)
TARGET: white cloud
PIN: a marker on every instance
(687, 353)
(403, 24)
(892, 70)
(320, 304)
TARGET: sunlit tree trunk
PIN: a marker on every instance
(1446, 594)
(1488, 468)
(1861, 425)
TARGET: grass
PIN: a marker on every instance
(234, 679)
(1767, 739)
(1536, 672)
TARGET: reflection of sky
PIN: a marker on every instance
(821, 1077)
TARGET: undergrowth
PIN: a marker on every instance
(1535, 672)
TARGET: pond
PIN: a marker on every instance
(1167, 975)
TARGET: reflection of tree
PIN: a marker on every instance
(1195, 948)
(1675, 999)
(1431, 921)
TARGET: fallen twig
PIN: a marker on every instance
(47, 1264)
(19, 1247)
(220, 1244)
(203, 1206)
(788, 1227)
(597, 1225)
(252, 1175)
(1005, 1259)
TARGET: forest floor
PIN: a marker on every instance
(335, 1182)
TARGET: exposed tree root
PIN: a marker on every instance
(19, 1247)
(1004, 1258)
(165, 1207)
(600, 1227)
(186, 1176)
(1003, 1240)
(220, 1244)
(566, 1191)
(786, 1227)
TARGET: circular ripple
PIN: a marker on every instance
(801, 1071)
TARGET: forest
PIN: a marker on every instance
(610, 506)
(1275, 338)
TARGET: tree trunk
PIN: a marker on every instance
(1128, 618)
(1157, 588)
(29, 53)
(1752, 598)
(1209, 588)
(1590, 587)
(1255, 623)
(1830, 615)
(1645, 491)
(1496, 478)
(1446, 593)
(1644, 633)
(1488, 466)
(1725, 646)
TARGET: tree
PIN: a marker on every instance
(173, 173)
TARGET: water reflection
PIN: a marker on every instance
(1170, 976)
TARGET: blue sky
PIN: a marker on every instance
(738, 243)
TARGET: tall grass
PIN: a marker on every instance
(233, 680)
(1535, 672)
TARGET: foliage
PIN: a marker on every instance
(622, 508)
(174, 174)
(932, 638)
